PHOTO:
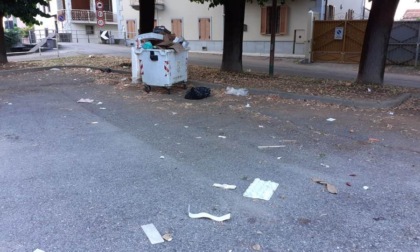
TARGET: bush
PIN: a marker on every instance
(12, 37)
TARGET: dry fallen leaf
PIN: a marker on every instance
(331, 189)
(348, 184)
(167, 237)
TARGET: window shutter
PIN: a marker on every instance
(284, 11)
(263, 20)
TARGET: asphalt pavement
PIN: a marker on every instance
(86, 176)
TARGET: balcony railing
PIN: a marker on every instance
(86, 16)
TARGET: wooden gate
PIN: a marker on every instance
(338, 40)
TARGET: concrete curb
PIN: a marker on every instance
(390, 103)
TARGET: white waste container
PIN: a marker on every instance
(160, 67)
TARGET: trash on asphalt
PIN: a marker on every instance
(55, 69)
(102, 108)
(247, 105)
(331, 119)
(261, 147)
(365, 187)
(325, 165)
(260, 126)
(197, 93)
(162, 157)
(39, 250)
(94, 122)
(99, 103)
(260, 189)
(152, 233)
(224, 137)
(208, 216)
(330, 188)
(237, 91)
(225, 186)
(167, 237)
(256, 247)
(85, 100)
(373, 140)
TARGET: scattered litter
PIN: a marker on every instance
(207, 215)
(256, 247)
(197, 93)
(259, 232)
(325, 165)
(89, 70)
(373, 140)
(351, 130)
(55, 69)
(39, 250)
(123, 79)
(330, 188)
(260, 126)
(260, 189)
(156, 124)
(99, 103)
(391, 113)
(224, 137)
(152, 233)
(247, 105)
(174, 113)
(237, 91)
(9, 103)
(225, 186)
(198, 137)
(102, 108)
(366, 187)
(94, 122)
(162, 157)
(87, 100)
(278, 158)
(369, 90)
(348, 184)
(167, 237)
(186, 127)
(270, 146)
(331, 119)
(91, 56)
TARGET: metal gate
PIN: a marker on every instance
(338, 40)
(404, 43)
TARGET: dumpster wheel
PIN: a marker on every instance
(147, 88)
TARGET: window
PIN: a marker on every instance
(90, 29)
(177, 27)
(8, 24)
(204, 29)
(282, 19)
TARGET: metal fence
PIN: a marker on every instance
(404, 43)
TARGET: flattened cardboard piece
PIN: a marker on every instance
(152, 233)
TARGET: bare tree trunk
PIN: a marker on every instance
(233, 35)
(3, 55)
(147, 16)
(375, 44)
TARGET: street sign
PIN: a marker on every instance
(338, 33)
(100, 13)
(61, 18)
(105, 35)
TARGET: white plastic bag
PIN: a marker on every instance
(237, 91)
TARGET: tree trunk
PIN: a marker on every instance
(233, 35)
(375, 44)
(3, 55)
(147, 16)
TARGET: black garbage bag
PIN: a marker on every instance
(197, 93)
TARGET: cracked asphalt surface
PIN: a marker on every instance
(86, 176)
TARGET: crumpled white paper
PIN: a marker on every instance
(208, 216)
(260, 189)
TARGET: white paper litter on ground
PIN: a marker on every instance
(39, 250)
(85, 100)
(331, 119)
(271, 146)
(260, 189)
(152, 233)
(224, 137)
(208, 216)
(237, 91)
(225, 186)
